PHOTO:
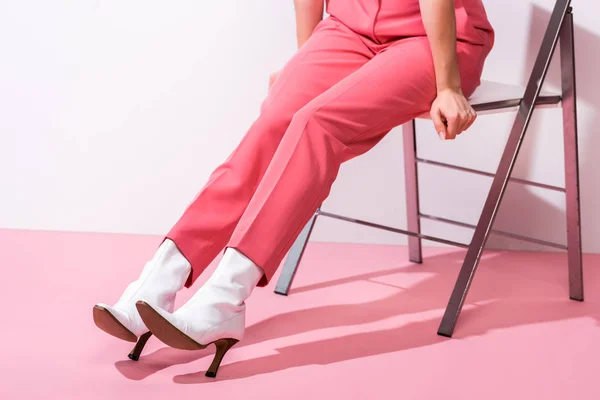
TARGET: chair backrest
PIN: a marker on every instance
(542, 62)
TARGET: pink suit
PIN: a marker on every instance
(365, 70)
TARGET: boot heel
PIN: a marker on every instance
(223, 345)
(139, 346)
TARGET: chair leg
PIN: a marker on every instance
(507, 162)
(411, 180)
(571, 159)
(293, 258)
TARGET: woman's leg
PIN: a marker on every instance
(396, 86)
(332, 53)
(347, 120)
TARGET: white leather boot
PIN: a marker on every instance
(215, 314)
(160, 280)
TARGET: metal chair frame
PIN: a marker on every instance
(560, 28)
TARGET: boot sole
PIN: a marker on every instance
(164, 330)
(109, 324)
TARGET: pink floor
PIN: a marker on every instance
(360, 324)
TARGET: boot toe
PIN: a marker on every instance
(113, 322)
(167, 327)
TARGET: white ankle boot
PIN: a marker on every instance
(216, 313)
(161, 279)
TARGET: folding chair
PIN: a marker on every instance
(492, 97)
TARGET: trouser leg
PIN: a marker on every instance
(332, 53)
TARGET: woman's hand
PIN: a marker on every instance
(272, 78)
(451, 114)
(308, 15)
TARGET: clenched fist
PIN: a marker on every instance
(451, 114)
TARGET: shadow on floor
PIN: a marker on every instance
(511, 289)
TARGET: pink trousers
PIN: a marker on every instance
(338, 96)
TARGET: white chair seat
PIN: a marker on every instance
(495, 97)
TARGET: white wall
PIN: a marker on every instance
(113, 114)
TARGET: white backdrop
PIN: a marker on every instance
(114, 113)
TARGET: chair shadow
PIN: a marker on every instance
(539, 293)
(510, 304)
